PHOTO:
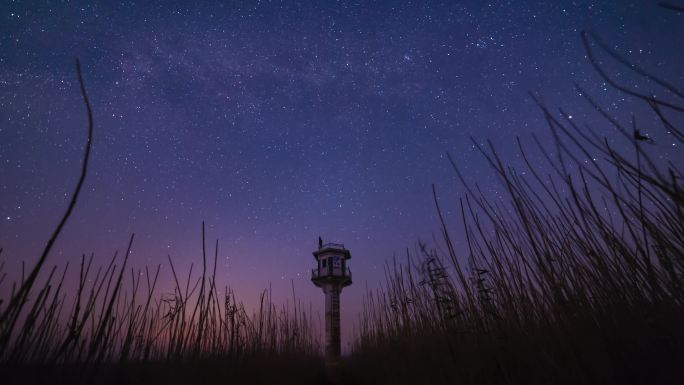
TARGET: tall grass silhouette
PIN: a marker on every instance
(119, 327)
(575, 277)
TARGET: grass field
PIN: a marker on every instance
(574, 276)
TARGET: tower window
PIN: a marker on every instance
(324, 262)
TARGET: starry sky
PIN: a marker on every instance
(277, 122)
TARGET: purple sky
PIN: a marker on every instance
(277, 123)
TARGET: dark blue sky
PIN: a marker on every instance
(276, 123)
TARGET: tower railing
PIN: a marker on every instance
(325, 273)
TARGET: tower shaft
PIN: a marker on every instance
(332, 321)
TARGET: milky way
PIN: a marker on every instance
(276, 123)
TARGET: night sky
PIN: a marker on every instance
(276, 123)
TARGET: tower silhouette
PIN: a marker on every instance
(331, 275)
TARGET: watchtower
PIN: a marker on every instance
(331, 275)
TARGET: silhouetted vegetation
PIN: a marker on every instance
(576, 277)
(118, 328)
